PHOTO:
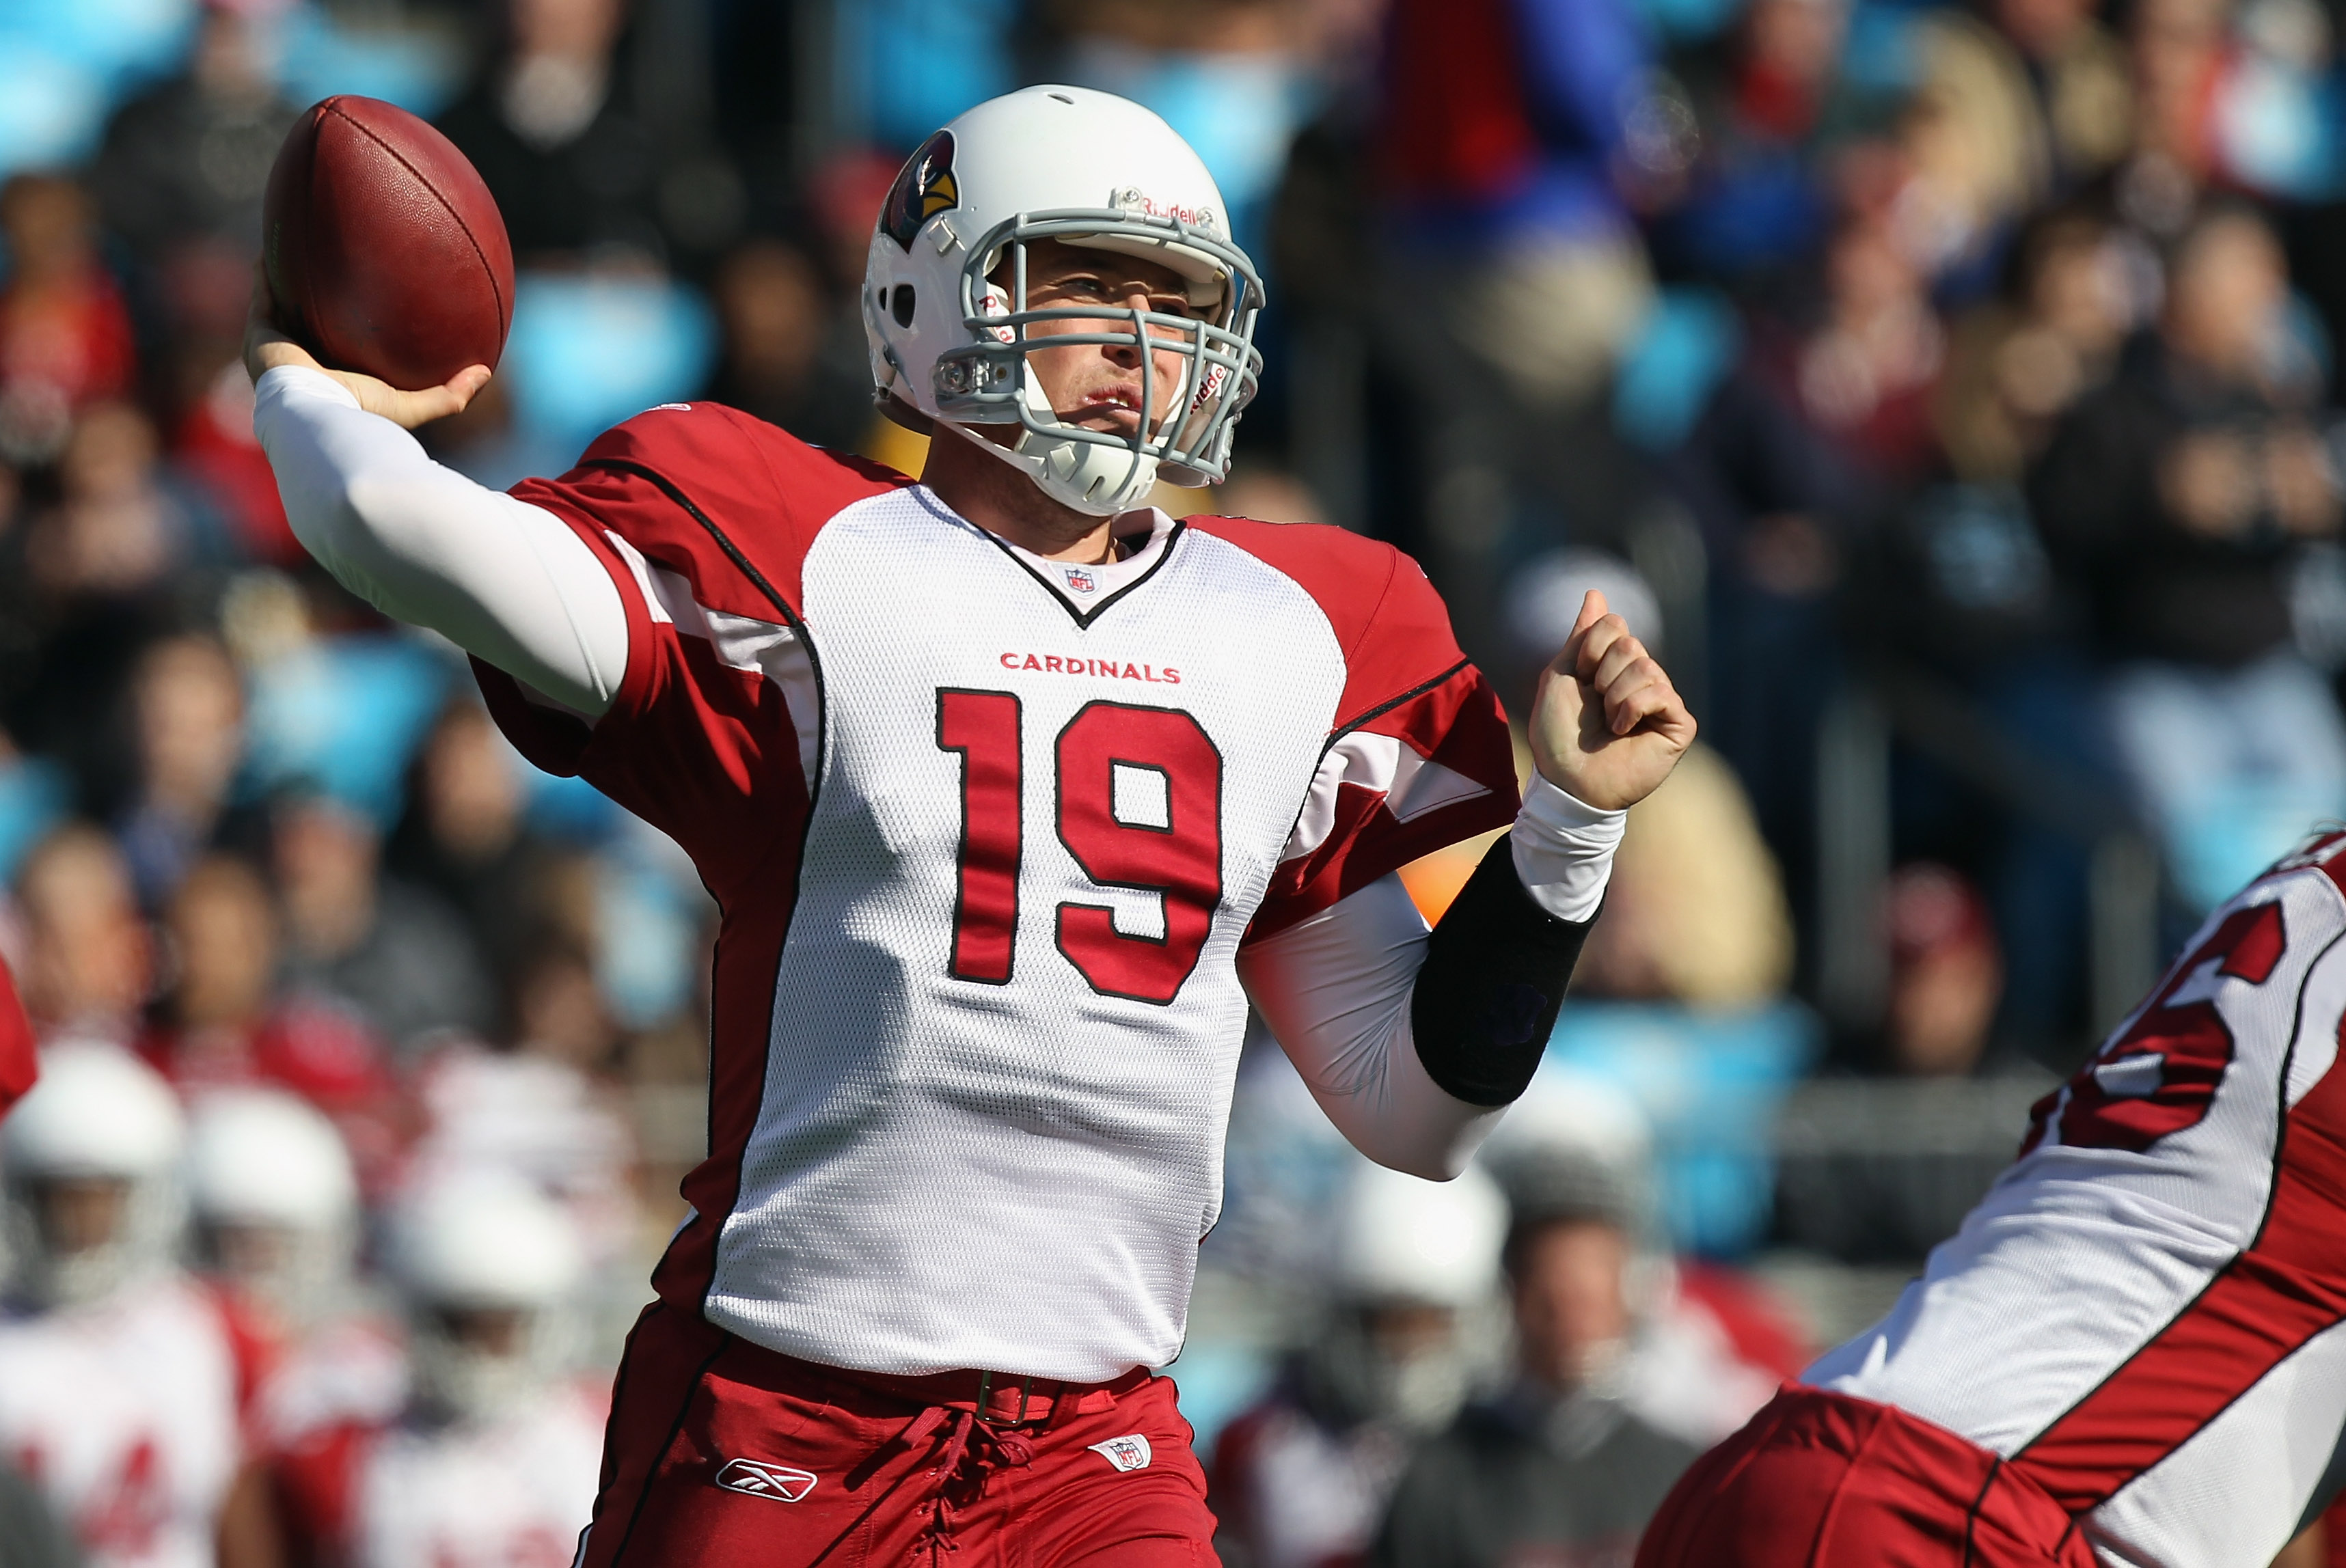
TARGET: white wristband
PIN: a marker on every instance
(1564, 849)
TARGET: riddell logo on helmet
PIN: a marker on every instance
(1132, 198)
(756, 1478)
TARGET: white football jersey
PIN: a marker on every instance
(2146, 1315)
(124, 1414)
(987, 832)
(1304, 1496)
(352, 1369)
(510, 1493)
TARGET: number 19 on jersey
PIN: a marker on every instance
(1136, 797)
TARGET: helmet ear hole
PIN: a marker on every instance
(900, 305)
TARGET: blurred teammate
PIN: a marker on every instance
(492, 1462)
(1301, 1481)
(119, 1375)
(276, 1225)
(1013, 791)
(2134, 1352)
(1557, 1465)
(1705, 1346)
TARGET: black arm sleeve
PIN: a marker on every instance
(1491, 984)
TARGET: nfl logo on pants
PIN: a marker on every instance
(1127, 1453)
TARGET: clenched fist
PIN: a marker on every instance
(1607, 724)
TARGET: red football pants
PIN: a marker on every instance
(722, 1452)
(1823, 1480)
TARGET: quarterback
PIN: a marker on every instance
(1014, 792)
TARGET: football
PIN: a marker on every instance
(384, 252)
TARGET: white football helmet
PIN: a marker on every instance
(1400, 1238)
(268, 1165)
(485, 1242)
(97, 1114)
(949, 344)
(1414, 1315)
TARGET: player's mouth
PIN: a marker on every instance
(1109, 408)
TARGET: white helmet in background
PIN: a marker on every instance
(949, 344)
(275, 1200)
(1400, 1238)
(1414, 1318)
(485, 1250)
(1566, 1108)
(98, 1115)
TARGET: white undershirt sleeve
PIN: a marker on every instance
(1564, 851)
(1336, 991)
(498, 577)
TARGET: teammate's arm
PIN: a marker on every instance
(1415, 1042)
(501, 579)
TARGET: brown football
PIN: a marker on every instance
(384, 251)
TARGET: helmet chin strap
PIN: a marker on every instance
(1096, 480)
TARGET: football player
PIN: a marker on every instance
(1302, 1479)
(492, 1462)
(2134, 1351)
(119, 1375)
(1014, 789)
(275, 1206)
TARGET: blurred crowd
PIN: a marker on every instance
(1947, 391)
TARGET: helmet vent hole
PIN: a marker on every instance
(900, 305)
(1063, 98)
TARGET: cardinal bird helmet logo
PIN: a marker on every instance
(924, 186)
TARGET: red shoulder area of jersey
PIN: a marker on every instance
(716, 496)
(1393, 628)
(2324, 852)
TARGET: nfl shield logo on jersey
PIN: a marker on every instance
(758, 1478)
(1127, 1453)
(1081, 580)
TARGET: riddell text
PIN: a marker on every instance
(1054, 665)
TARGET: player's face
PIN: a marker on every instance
(249, 1254)
(1569, 1298)
(79, 1214)
(1403, 1332)
(1095, 386)
(500, 1331)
